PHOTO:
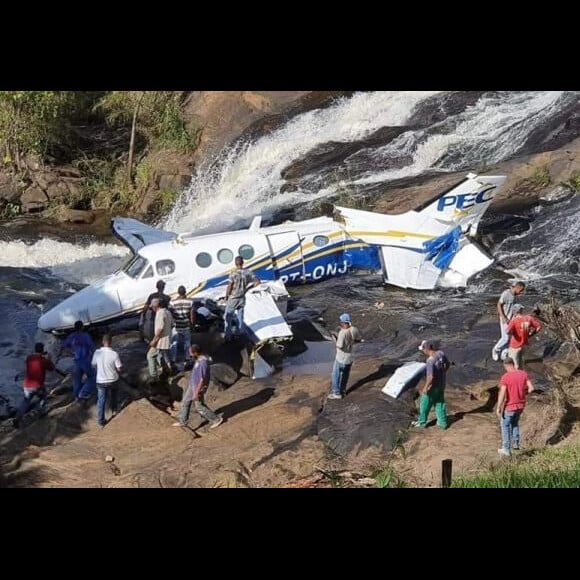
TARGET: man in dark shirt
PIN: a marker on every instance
(198, 385)
(37, 364)
(147, 320)
(433, 392)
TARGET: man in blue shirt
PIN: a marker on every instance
(198, 384)
(81, 345)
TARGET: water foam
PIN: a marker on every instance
(71, 262)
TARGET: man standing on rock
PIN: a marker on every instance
(184, 319)
(108, 365)
(36, 366)
(520, 328)
(81, 345)
(505, 311)
(433, 392)
(241, 280)
(159, 345)
(345, 340)
(147, 321)
(198, 385)
(514, 386)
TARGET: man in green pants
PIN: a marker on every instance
(433, 392)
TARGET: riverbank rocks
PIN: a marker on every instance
(34, 200)
(76, 216)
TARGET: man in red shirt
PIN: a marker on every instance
(514, 386)
(520, 328)
(36, 366)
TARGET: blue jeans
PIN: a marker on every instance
(27, 403)
(510, 430)
(83, 367)
(177, 337)
(505, 337)
(103, 389)
(340, 374)
(238, 313)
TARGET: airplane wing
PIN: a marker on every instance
(136, 234)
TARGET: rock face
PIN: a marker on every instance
(365, 418)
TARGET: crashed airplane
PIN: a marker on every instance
(423, 248)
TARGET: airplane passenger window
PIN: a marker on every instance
(203, 260)
(246, 251)
(320, 241)
(165, 267)
(148, 273)
(225, 256)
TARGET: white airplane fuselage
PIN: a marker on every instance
(297, 253)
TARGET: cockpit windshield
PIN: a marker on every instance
(135, 266)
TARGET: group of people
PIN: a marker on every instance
(167, 323)
(514, 385)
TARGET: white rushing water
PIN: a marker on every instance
(71, 262)
(247, 179)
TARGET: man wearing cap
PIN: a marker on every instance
(514, 386)
(520, 328)
(147, 321)
(433, 392)
(36, 366)
(505, 311)
(345, 340)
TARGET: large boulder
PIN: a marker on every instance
(10, 188)
(34, 199)
(365, 418)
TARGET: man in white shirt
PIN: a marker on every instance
(108, 366)
(159, 346)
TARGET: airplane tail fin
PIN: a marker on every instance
(465, 203)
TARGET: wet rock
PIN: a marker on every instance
(223, 374)
(76, 216)
(173, 182)
(365, 418)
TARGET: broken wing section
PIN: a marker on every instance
(414, 269)
(136, 234)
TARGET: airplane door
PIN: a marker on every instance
(287, 258)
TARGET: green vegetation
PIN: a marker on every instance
(386, 477)
(33, 121)
(9, 210)
(574, 182)
(542, 177)
(107, 136)
(549, 467)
